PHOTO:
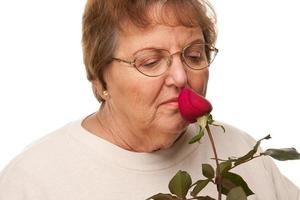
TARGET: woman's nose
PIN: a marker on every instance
(176, 74)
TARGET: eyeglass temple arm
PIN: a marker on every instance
(125, 61)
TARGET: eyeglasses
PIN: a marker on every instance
(154, 62)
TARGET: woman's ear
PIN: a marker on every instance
(99, 91)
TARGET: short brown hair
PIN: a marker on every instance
(104, 19)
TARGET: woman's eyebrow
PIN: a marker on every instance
(198, 40)
(147, 48)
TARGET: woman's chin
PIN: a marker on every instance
(169, 140)
(174, 123)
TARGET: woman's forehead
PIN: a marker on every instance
(157, 36)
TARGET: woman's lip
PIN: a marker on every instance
(171, 101)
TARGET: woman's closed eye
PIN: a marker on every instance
(195, 58)
(150, 63)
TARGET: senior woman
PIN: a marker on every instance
(138, 57)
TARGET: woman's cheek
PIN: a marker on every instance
(198, 81)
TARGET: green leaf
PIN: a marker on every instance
(251, 153)
(227, 185)
(225, 166)
(205, 198)
(197, 137)
(180, 184)
(244, 158)
(283, 154)
(259, 141)
(208, 171)
(162, 196)
(236, 193)
(231, 180)
(223, 128)
(211, 122)
(199, 186)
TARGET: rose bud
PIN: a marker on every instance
(192, 105)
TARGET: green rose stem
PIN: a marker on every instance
(211, 139)
(218, 173)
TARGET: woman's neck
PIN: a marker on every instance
(103, 124)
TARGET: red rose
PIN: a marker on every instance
(192, 105)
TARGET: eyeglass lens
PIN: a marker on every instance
(154, 62)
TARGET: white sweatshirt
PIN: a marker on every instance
(74, 164)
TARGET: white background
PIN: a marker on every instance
(254, 81)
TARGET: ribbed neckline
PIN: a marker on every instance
(158, 160)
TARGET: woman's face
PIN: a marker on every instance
(147, 106)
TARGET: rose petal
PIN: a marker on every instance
(192, 105)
